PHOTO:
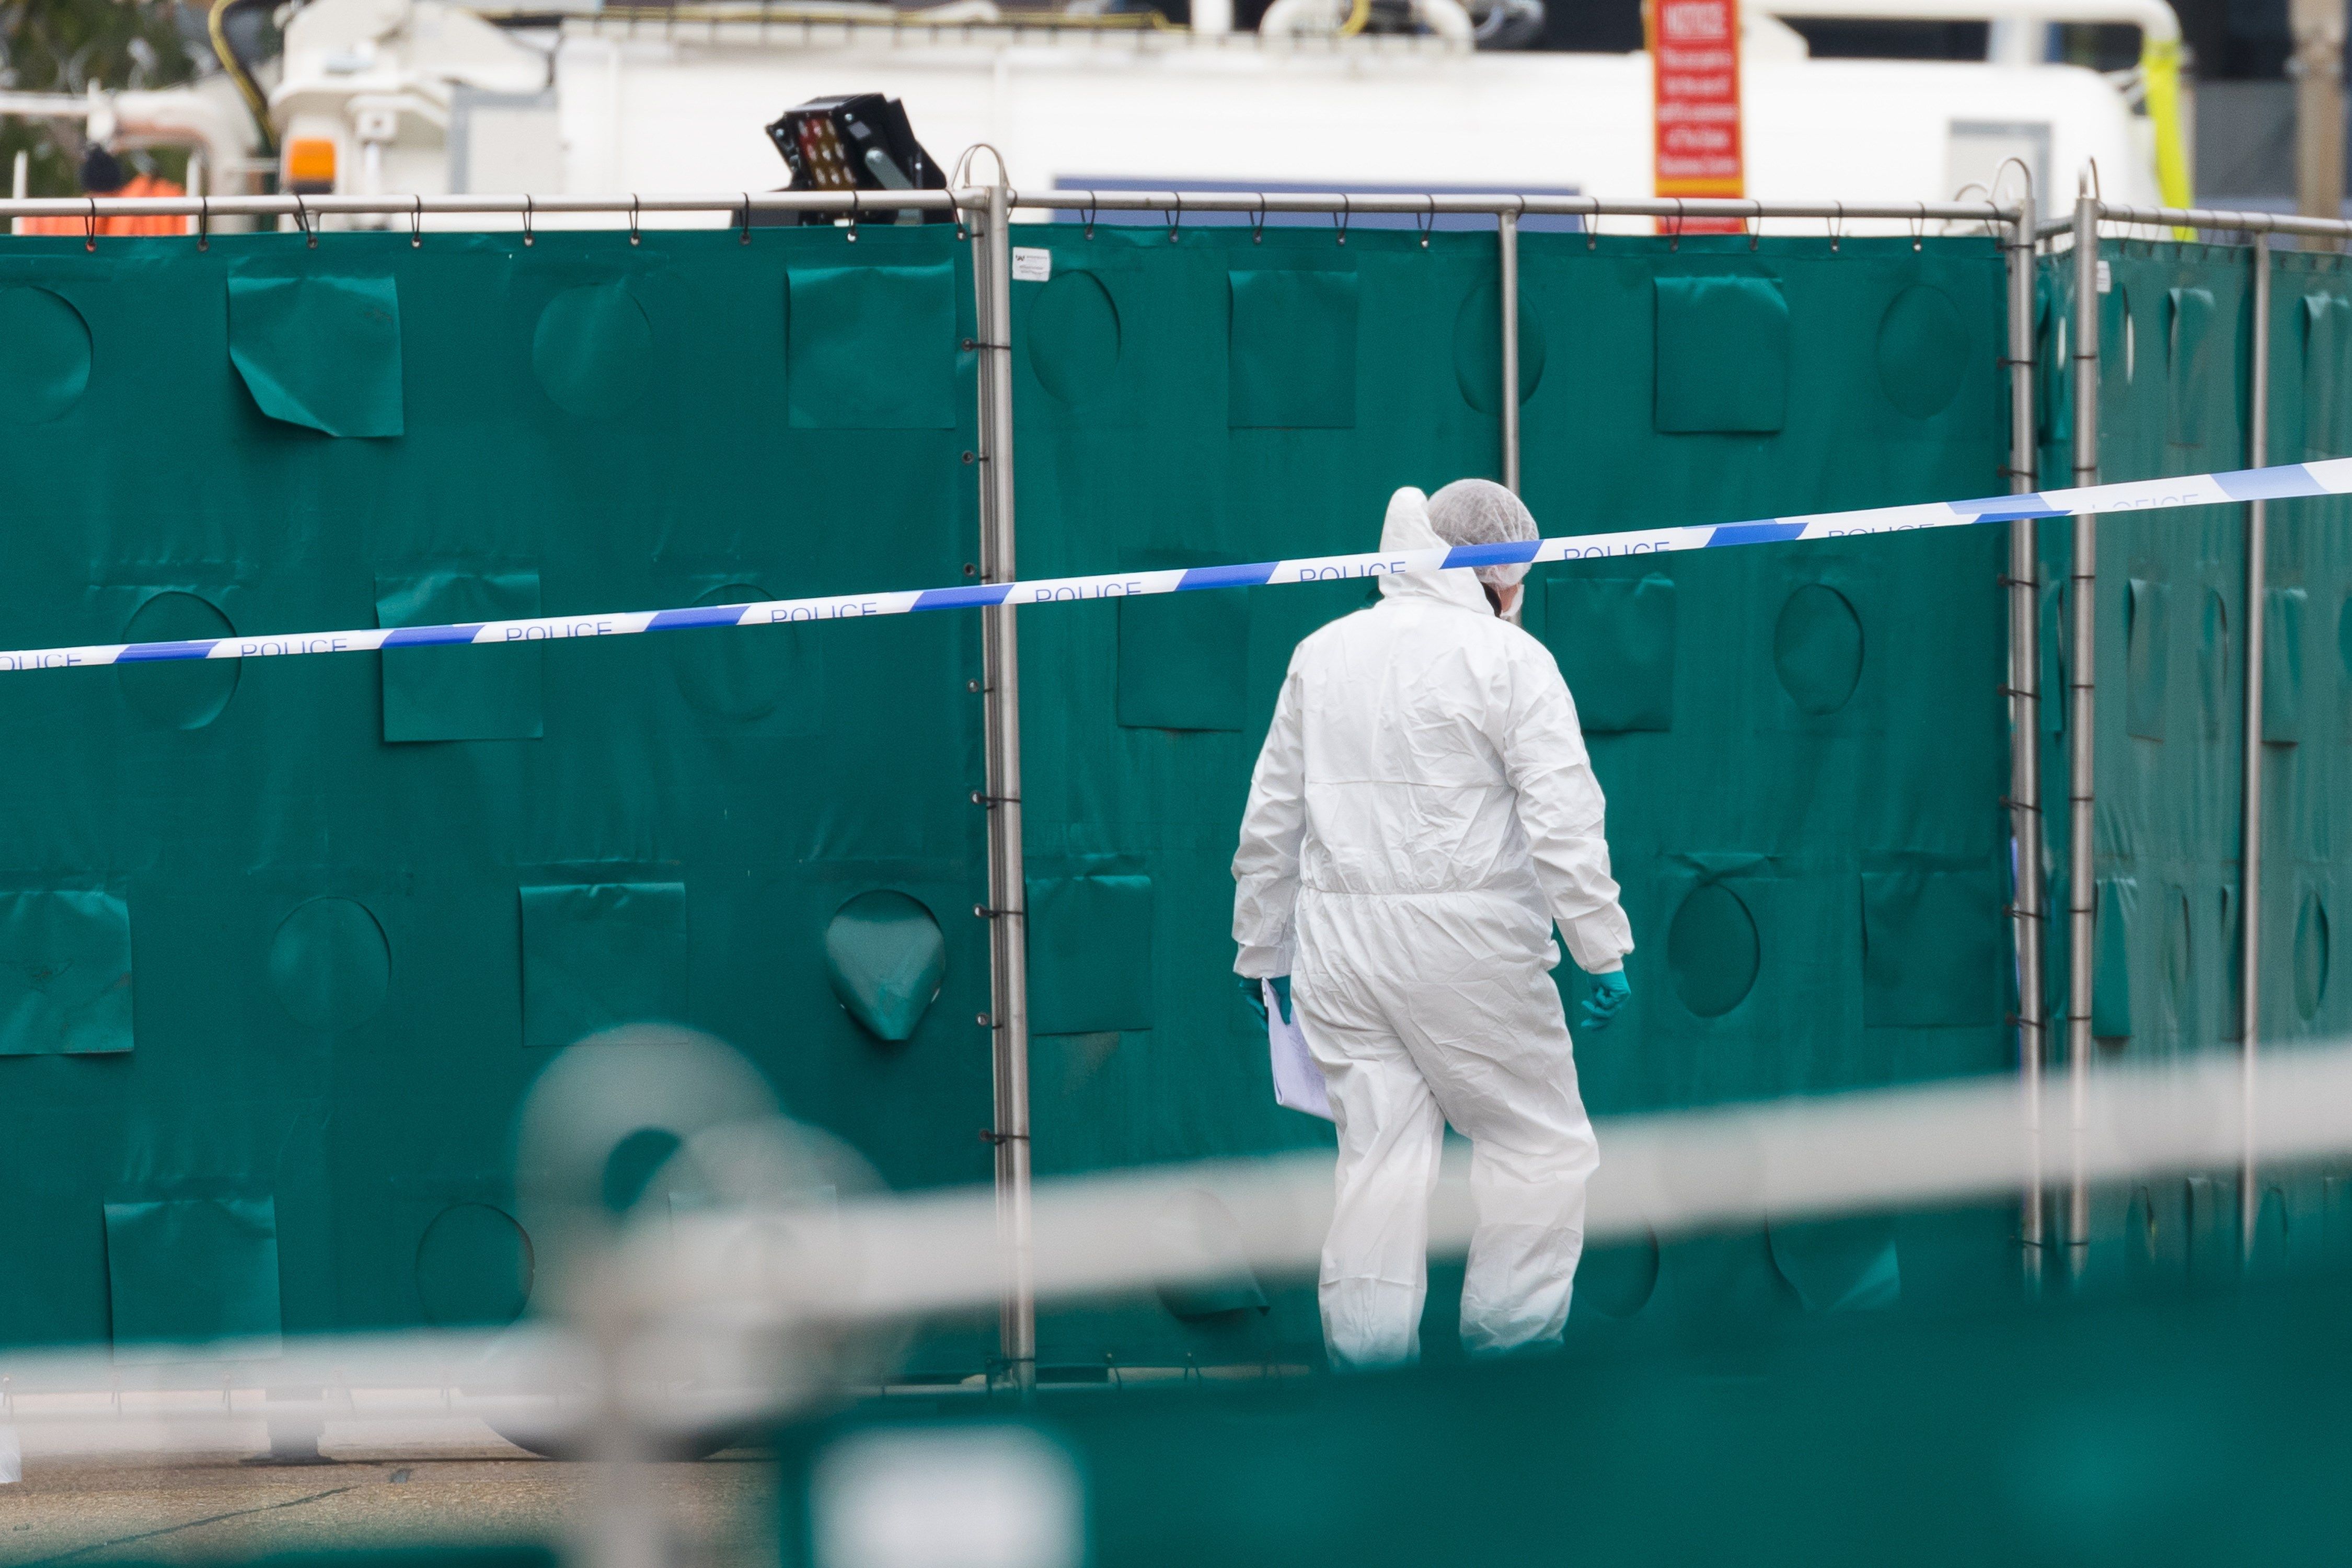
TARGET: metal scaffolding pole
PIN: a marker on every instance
(2250, 878)
(2024, 585)
(1506, 246)
(1008, 1018)
(2082, 889)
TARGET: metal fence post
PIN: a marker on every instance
(1008, 901)
(2024, 584)
(2082, 720)
(1507, 246)
(2250, 872)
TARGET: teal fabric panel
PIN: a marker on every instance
(2190, 353)
(474, 1267)
(461, 693)
(2326, 360)
(1932, 948)
(1090, 967)
(44, 355)
(1722, 355)
(600, 953)
(2111, 979)
(1848, 1265)
(1614, 640)
(2283, 665)
(186, 1270)
(2149, 643)
(1292, 353)
(368, 1082)
(593, 350)
(65, 973)
(317, 349)
(873, 347)
(887, 959)
(1183, 658)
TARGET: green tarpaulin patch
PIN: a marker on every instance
(887, 959)
(1614, 640)
(461, 693)
(598, 955)
(1931, 944)
(1183, 658)
(44, 355)
(65, 973)
(318, 350)
(1722, 355)
(872, 348)
(1292, 361)
(192, 1270)
(1089, 949)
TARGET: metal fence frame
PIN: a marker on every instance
(985, 214)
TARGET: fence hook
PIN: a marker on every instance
(1257, 224)
(1754, 226)
(527, 236)
(1675, 244)
(1347, 211)
(1088, 214)
(1431, 224)
(203, 223)
(853, 215)
(1176, 216)
(1918, 228)
(635, 237)
(89, 226)
(747, 217)
(1837, 227)
(1592, 227)
(303, 217)
(416, 224)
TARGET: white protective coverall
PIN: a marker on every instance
(1423, 812)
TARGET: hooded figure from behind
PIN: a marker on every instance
(1422, 817)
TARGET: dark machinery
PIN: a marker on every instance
(859, 142)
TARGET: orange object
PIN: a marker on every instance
(139, 186)
(1694, 73)
(311, 166)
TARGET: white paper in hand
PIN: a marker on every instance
(1298, 1082)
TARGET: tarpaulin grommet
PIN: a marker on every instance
(1837, 227)
(1424, 226)
(1920, 229)
(1257, 226)
(416, 225)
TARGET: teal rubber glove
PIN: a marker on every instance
(1257, 998)
(1611, 992)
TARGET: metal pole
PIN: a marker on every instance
(1007, 880)
(1507, 246)
(2317, 67)
(2030, 924)
(2250, 876)
(2082, 890)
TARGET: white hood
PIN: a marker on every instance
(1407, 527)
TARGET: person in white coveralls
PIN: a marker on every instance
(1422, 814)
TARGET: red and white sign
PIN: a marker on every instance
(1694, 73)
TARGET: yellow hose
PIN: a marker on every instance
(2159, 71)
(1358, 14)
(246, 85)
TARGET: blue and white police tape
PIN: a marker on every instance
(2287, 481)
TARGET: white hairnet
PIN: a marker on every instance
(1480, 511)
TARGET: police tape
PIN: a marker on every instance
(2286, 482)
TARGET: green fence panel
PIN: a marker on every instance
(322, 881)
(1857, 684)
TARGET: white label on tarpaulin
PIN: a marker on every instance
(1031, 266)
(2107, 276)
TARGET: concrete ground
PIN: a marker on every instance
(91, 1511)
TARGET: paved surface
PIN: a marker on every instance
(78, 1511)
